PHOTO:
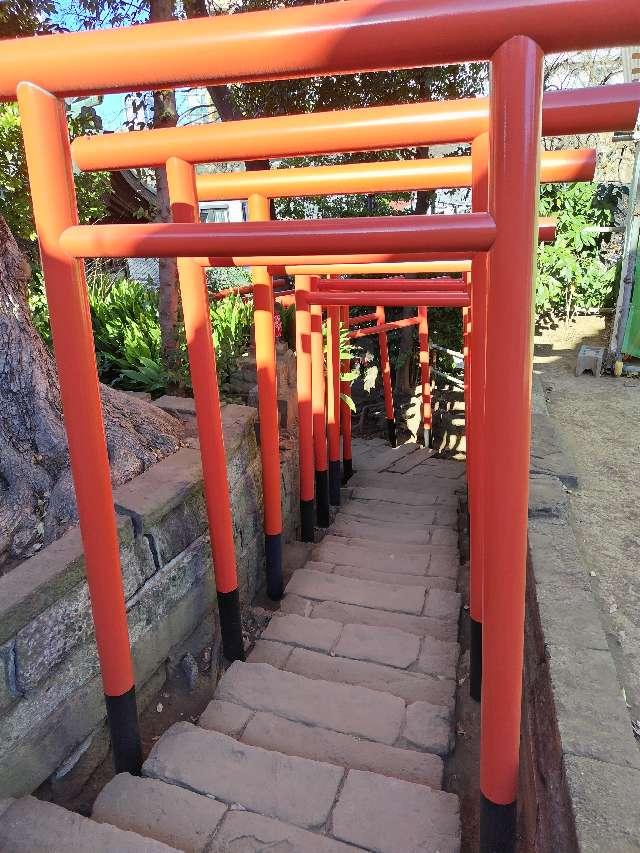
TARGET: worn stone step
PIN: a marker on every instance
(195, 823)
(411, 460)
(436, 560)
(273, 732)
(409, 686)
(381, 576)
(29, 825)
(381, 458)
(419, 483)
(409, 516)
(393, 550)
(386, 645)
(350, 709)
(392, 816)
(401, 496)
(422, 626)
(321, 586)
(403, 534)
(155, 809)
(219, 766)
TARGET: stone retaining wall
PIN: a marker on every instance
(51, 700)
(580, 765)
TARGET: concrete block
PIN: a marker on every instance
(153, 809)
(429, 727)
(245, 832)
(407, 685)
(390, 815)
(381, 645)
(382, 596)
(216, 765)
(589, 359)
(33, 826)
(321, 744)
(344, 708)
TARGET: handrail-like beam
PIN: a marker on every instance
(394, 176)
(590, 110)
(467, 232)
(338, 285)
(429, 298)
(304, 41)
(391, 326)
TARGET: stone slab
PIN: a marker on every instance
(429, 727)
(333, 549)
(408, 686)
(321, 744)
(274, 654)
(381, 645)
(379, 511)
(153, 809)
(421, 626)
(245, 832)
(398, 549)
(444, 564)
(443, 604)
(392, 816)
(34, 826)
(405, 483)
(217, 765)
(438, 658)
(225, 717)
(395, 577)
(344, 708)
(318, 634)
(403, 534)
(395, 496)
(382, 596)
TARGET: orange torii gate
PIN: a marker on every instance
(341, 38)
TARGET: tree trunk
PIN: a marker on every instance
(37, 501)
(165, 114)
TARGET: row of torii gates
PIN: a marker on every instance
(493, 247)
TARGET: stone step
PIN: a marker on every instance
(195, 823)
(412, 516)
(386, 645)
(396, 549)
(295, 790)
(402, 534)
(436, 560)
(419, 483)
(29, 825)
(395, 577)
(408, 686)
(422, 626)
(321, 744)
(321, 586)
(411, 461)
(401, 496)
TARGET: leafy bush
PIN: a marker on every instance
(574, 272)
(126, 331)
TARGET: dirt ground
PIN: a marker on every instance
(599, 419)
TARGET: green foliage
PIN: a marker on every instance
(92, 188)
(222, 278)
(126, 330)
(574, 273)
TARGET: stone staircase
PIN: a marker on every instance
(332, 736)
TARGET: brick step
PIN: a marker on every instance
(394, 576)
(304, 793)
(321, 586)
(196, 823)
(422, 626)
(271, 731)
(433, 561)
(386, 645)
(29, 825)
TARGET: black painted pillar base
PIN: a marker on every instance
(273, 560)
(230, 625)
(475, 654)
(347, 470)
(391, 432)
(122, 715)
(427, 438)
(322, 499)
(307, 521)
(334, 482)
(497, 827)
